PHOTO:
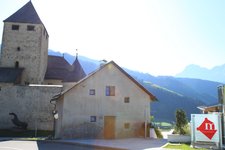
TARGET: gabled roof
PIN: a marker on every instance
(124, 72)
(212, 108)
(26, 14)
(11, 75)
(58, 68)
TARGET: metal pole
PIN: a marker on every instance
(222, 116)
(220, 131)
(36, 119)
(193, 129)
(145, 115)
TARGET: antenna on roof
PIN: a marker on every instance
(76, 53)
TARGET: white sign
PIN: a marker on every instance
(206, 127)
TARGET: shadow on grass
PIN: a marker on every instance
(24, 133)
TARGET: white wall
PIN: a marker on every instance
(79, 105)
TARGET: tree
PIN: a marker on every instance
(181, 121)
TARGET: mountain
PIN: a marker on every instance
(194, 71)
(172, 92)
(203, 90)
(169, 102)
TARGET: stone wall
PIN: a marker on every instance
(30, 103)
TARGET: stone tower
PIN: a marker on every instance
(25, 44)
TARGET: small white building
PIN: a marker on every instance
(107, 103)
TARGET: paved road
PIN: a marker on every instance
(33, 145)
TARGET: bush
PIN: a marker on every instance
(186, 130)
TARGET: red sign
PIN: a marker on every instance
(207, 128)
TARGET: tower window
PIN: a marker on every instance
(26, 83)
(18, 48)
(15, 27)
(30, 28)
(16, 64)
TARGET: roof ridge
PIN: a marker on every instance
(153, 98)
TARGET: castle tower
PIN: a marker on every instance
(25, 44)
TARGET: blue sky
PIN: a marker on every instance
(160, 37)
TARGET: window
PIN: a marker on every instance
(126, 99)
(93, 119)
(15, 27)
(18, 48)
(110, 91)
(27, 83)
(92, 92)
(16, 64)
(126, 125)
(30, 28)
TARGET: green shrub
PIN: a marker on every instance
(185, 130)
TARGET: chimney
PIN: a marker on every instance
(102, 62)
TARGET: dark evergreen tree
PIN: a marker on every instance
(181, 121)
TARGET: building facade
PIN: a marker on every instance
(108, 104)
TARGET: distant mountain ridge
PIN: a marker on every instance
(194, 71)
(172, 92)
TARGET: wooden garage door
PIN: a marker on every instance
(109, 127)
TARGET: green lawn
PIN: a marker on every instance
(181, 146)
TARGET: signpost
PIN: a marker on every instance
(206, 128)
